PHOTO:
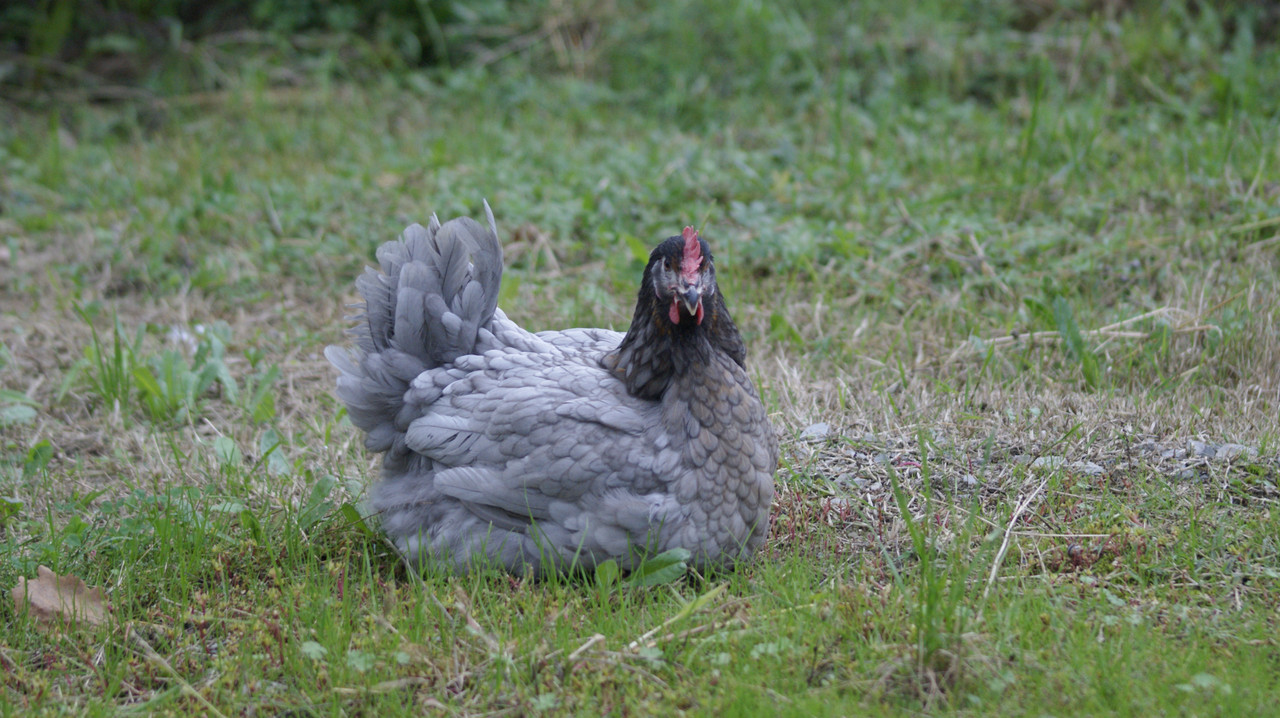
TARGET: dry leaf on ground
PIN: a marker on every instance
(51, 597)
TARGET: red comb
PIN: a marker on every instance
(692, 260)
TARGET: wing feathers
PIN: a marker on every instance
(489, 487)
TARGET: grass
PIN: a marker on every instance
(1014, 272)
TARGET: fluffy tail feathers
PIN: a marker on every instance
(438, 286)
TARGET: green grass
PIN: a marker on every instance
(965, 240)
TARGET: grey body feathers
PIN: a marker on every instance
(523, 450)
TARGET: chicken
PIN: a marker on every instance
(537, 453)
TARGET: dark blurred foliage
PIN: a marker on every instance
(692, 50)
(68, 30)
(46, 42)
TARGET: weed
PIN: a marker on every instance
(943, 656)
(109, 370)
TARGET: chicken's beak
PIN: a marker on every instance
(691, 298)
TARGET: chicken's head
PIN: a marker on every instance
(682, 275)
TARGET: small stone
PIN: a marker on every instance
(1200, 448)
(1146, 447)
(1087, 468)
(1021, 459)
(816, 432)
(1186, 474)
(1048, 462)
(1227, 452)
(883, 457)
(969, 480)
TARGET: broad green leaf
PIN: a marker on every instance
(313, 650)
(38, 458)
(250, 524)
(359, 660)
(317, 504)
(606, 574)
(269, 449)
(666, 567)
(147, 382)
(16, 414)
(1040, 314)
(354, 519)
(226, 451)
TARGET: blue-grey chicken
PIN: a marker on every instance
(540, 452)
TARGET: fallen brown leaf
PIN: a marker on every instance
(51, 597)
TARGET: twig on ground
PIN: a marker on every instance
(690, 608)
(1184, 322)
(713, 626)
(393, 685)
(1008, 532)
(463, 604)
(158, 661)
(597, 638)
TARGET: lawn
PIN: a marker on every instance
(1008, 284)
